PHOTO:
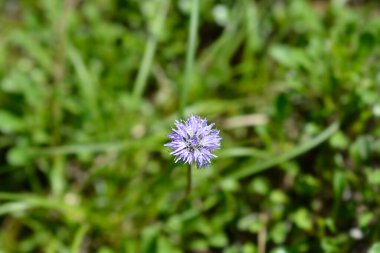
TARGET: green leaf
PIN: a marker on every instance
(375, 248)
(289, 57)
(229, 185)
(149, 239)
(10, 123)
(249, 248)
(260, 185)
(373, 176)
(365, 219)
(279, 197)
(18, 156)
(339, 141)
(279, 232)
(339, 184)
(218, 240)
(302, 219)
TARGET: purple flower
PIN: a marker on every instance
(194, 141)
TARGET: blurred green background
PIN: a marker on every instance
(90, 89)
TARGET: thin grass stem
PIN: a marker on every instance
(146, 63)
(149, 53)
(190, 56)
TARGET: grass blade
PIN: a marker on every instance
(278, 159)
(190, 55)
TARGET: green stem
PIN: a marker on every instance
(190, 55)
(189, 181)
(183, 201)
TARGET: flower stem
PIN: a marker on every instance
(189, 181)
(182, 202)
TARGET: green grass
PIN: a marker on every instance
(90, 89)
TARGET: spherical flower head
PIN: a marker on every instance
(194, 141)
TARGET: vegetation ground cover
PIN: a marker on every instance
(89, 91)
